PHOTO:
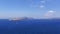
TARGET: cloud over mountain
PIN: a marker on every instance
(50, 13)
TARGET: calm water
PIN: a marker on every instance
(30, 27)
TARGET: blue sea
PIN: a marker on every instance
(36, 26)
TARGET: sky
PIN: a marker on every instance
(29, 8)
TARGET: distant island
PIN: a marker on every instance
(19, 18)
(25, 18)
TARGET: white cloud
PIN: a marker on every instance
(49, 13)
(42, 1)
(42, 6)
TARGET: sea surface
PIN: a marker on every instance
(37, 26)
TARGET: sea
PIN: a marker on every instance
(34, 26)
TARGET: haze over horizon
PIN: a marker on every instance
(30, 8)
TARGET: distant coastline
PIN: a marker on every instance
(24, 18)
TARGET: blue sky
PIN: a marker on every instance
(29, 8)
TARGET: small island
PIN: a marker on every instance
(18, 18)
(15, 18)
